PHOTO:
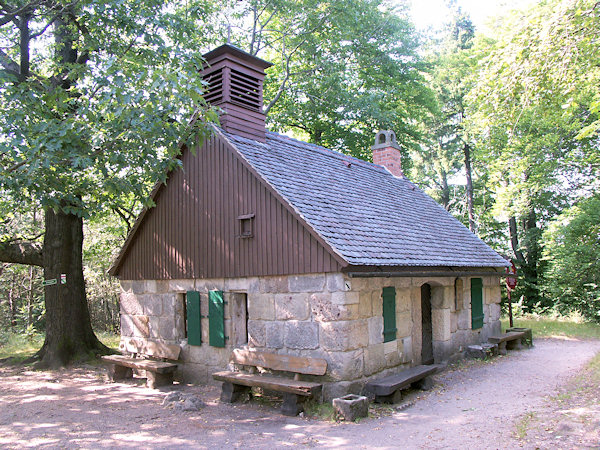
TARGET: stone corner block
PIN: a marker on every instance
(345, 366)
(344, 335)
(337, 283)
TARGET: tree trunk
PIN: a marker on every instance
(69, 334)
(467, 152)
(528, 261)
(12, 309)
(445, 198)
(30, 298)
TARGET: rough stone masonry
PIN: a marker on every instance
(328, 316)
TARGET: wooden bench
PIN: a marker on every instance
(388, 389)
(294, 391)
(510, 340)
(527, 339)
(144, 355)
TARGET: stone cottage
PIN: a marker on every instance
(266, 242)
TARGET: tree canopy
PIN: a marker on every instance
(96, 98)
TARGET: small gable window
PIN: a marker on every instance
(246, 226)
(476, 303)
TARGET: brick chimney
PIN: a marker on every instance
(235, 84)
(386, 152)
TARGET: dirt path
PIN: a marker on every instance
(478, 405)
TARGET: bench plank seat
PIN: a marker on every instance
(158, 372)
(306, 388)
(510, 336)
(511, 340)
(143, 364)
(386, 387)
(295, 391)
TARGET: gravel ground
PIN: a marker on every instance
(509, 402)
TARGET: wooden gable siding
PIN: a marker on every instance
(192, 232)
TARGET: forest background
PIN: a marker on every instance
(501, 128)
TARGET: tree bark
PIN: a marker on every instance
(69, 334)
(467, 152)
(30, 298)
(527, 261)
(514, 240)
(11, 304)
(445, 198)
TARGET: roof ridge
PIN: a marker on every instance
(326, 151)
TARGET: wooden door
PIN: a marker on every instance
(426, 326)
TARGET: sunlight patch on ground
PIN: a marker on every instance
(563, 338)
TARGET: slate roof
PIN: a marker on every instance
(368, 216)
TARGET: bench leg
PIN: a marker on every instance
(154, 380)
(231, 393)
(502, 348)
(515, 344)
(391, 399)
(116, 372)
(425, 384)
(292, 404)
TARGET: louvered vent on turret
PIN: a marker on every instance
(235, 84)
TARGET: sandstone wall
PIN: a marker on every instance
(329, 316)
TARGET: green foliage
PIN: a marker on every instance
(20, 346)
(341, 70)
(556, 325)
(104, 236)
(526, 116)
(573, 255)
(80, 133)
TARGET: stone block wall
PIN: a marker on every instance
(328, 316)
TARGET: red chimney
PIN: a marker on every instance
(235, 84)
(386, 152)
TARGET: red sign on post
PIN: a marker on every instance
(511, 281)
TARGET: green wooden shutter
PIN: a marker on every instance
(389, 314)
(216, 318)
(476, 303)
(194, 327)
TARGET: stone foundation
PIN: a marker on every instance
(327, 316)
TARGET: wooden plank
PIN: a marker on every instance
(144, 364)
(288, 363)
(388, 385)
(507, 337)
(150, 348)
(278, 384)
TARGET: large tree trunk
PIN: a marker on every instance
(69, 334)
(528, 260)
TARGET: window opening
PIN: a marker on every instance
(246, 226)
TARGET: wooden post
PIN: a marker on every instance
(510, 315)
